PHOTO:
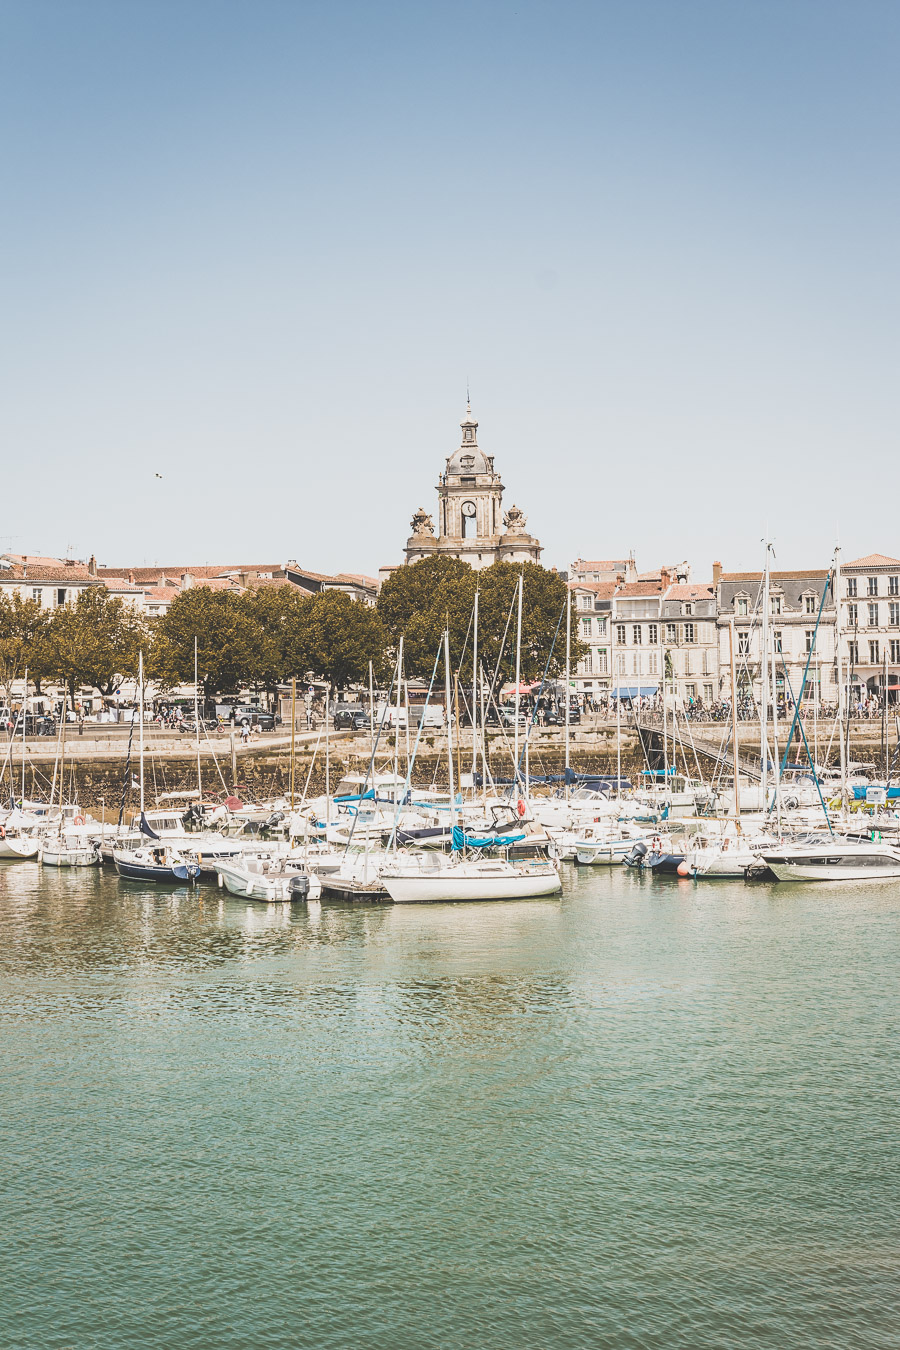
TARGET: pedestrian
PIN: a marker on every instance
(245, 734)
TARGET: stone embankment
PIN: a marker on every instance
(96, 764)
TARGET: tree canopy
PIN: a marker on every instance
(91, 642)
(419, 601)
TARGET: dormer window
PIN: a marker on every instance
(743, 604)
(467, 463)
(689, 608)
(469, 434)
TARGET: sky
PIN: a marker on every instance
(253, 252)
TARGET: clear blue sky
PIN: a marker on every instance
(257, 248)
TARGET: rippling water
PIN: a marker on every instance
(650, 1113)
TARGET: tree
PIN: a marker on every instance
(280, 616)
(344, 635)
(91, 642)
(228, 638)
(421, 600)
(22, 626)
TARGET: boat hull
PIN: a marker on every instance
(70, 857)
(267, 889)
(17, 849)
(417, 889)
(837, 869)
(178, 875)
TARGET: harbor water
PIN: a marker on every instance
(649, 1114)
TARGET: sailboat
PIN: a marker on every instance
(158, 860)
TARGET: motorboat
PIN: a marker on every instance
(15, 844)
(269, 879)
(834, 859)
(358, 877)
(69, 851)
(421, 878)
(606, 844)
(726, 855)
(659, 854)
(155, 862)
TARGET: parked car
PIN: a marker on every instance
(350, 717)
(248, 715)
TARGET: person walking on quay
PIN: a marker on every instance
(245, 734)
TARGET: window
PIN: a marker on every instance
(601, 628)
(893, 585)
(688, 608)
(810, 637)
(585, 628)
(653, 634)
(654, 663)
(587, 665)
(60, 597)
(707, 661)
(687, 663)
(871, 585)
(620, 664)
(620, 634)
(851, 585)
(778, 640)
(775, 605)
(853, 653)
(743, 644)
(636, 634)
(894, 613)
(895, 651)
(36, 593)
(873, 616)
(707, 693)
(671, 632)
(853, 615)
(809, 603)
(601, 660)
(690, 691)
(874, 654)
(584, 602)
(636, 663)
(689, 631)
(743, 605)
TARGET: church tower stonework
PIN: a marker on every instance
(471, 522)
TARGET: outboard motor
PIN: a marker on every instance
(298, 887)
(273, 819)
(637, 855)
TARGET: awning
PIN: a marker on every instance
(634, 691)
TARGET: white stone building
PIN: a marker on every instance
(471, 522)
(870, 623)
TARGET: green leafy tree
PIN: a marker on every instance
(417, 603)
(422, 600)
(344, 635)
(280, 616)
(22, 627)
(228, 640)
(94, 641)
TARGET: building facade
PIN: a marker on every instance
(472, 525)
(802, 639)
(870, 626)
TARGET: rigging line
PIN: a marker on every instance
(371, 768)
(392, 841)
(806, 747)
(829, 584)
(540, 692)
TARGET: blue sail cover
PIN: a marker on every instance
(462, 840)
(145, 828)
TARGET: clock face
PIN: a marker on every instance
(468, 508)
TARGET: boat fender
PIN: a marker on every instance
(221, 882)
(684, 868)
(520, 808)
(79, 820)
(2, 832)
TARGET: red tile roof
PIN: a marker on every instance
(691, 591)
(872, 560)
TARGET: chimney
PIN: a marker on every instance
(92, 566)
(131, 578)
(187, 581)
(717, 573)
(664, 577)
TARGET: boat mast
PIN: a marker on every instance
(568, 677)
(449, 731)
(24, 716)
(140, 726)
(734, 729)
(397, 714)
(197, 727)
(776, 764)
(293, 735)
(475, 693)
(518, 675)
(838, 633)
(327, 756)
(764, 691)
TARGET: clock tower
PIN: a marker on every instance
(471, 523)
